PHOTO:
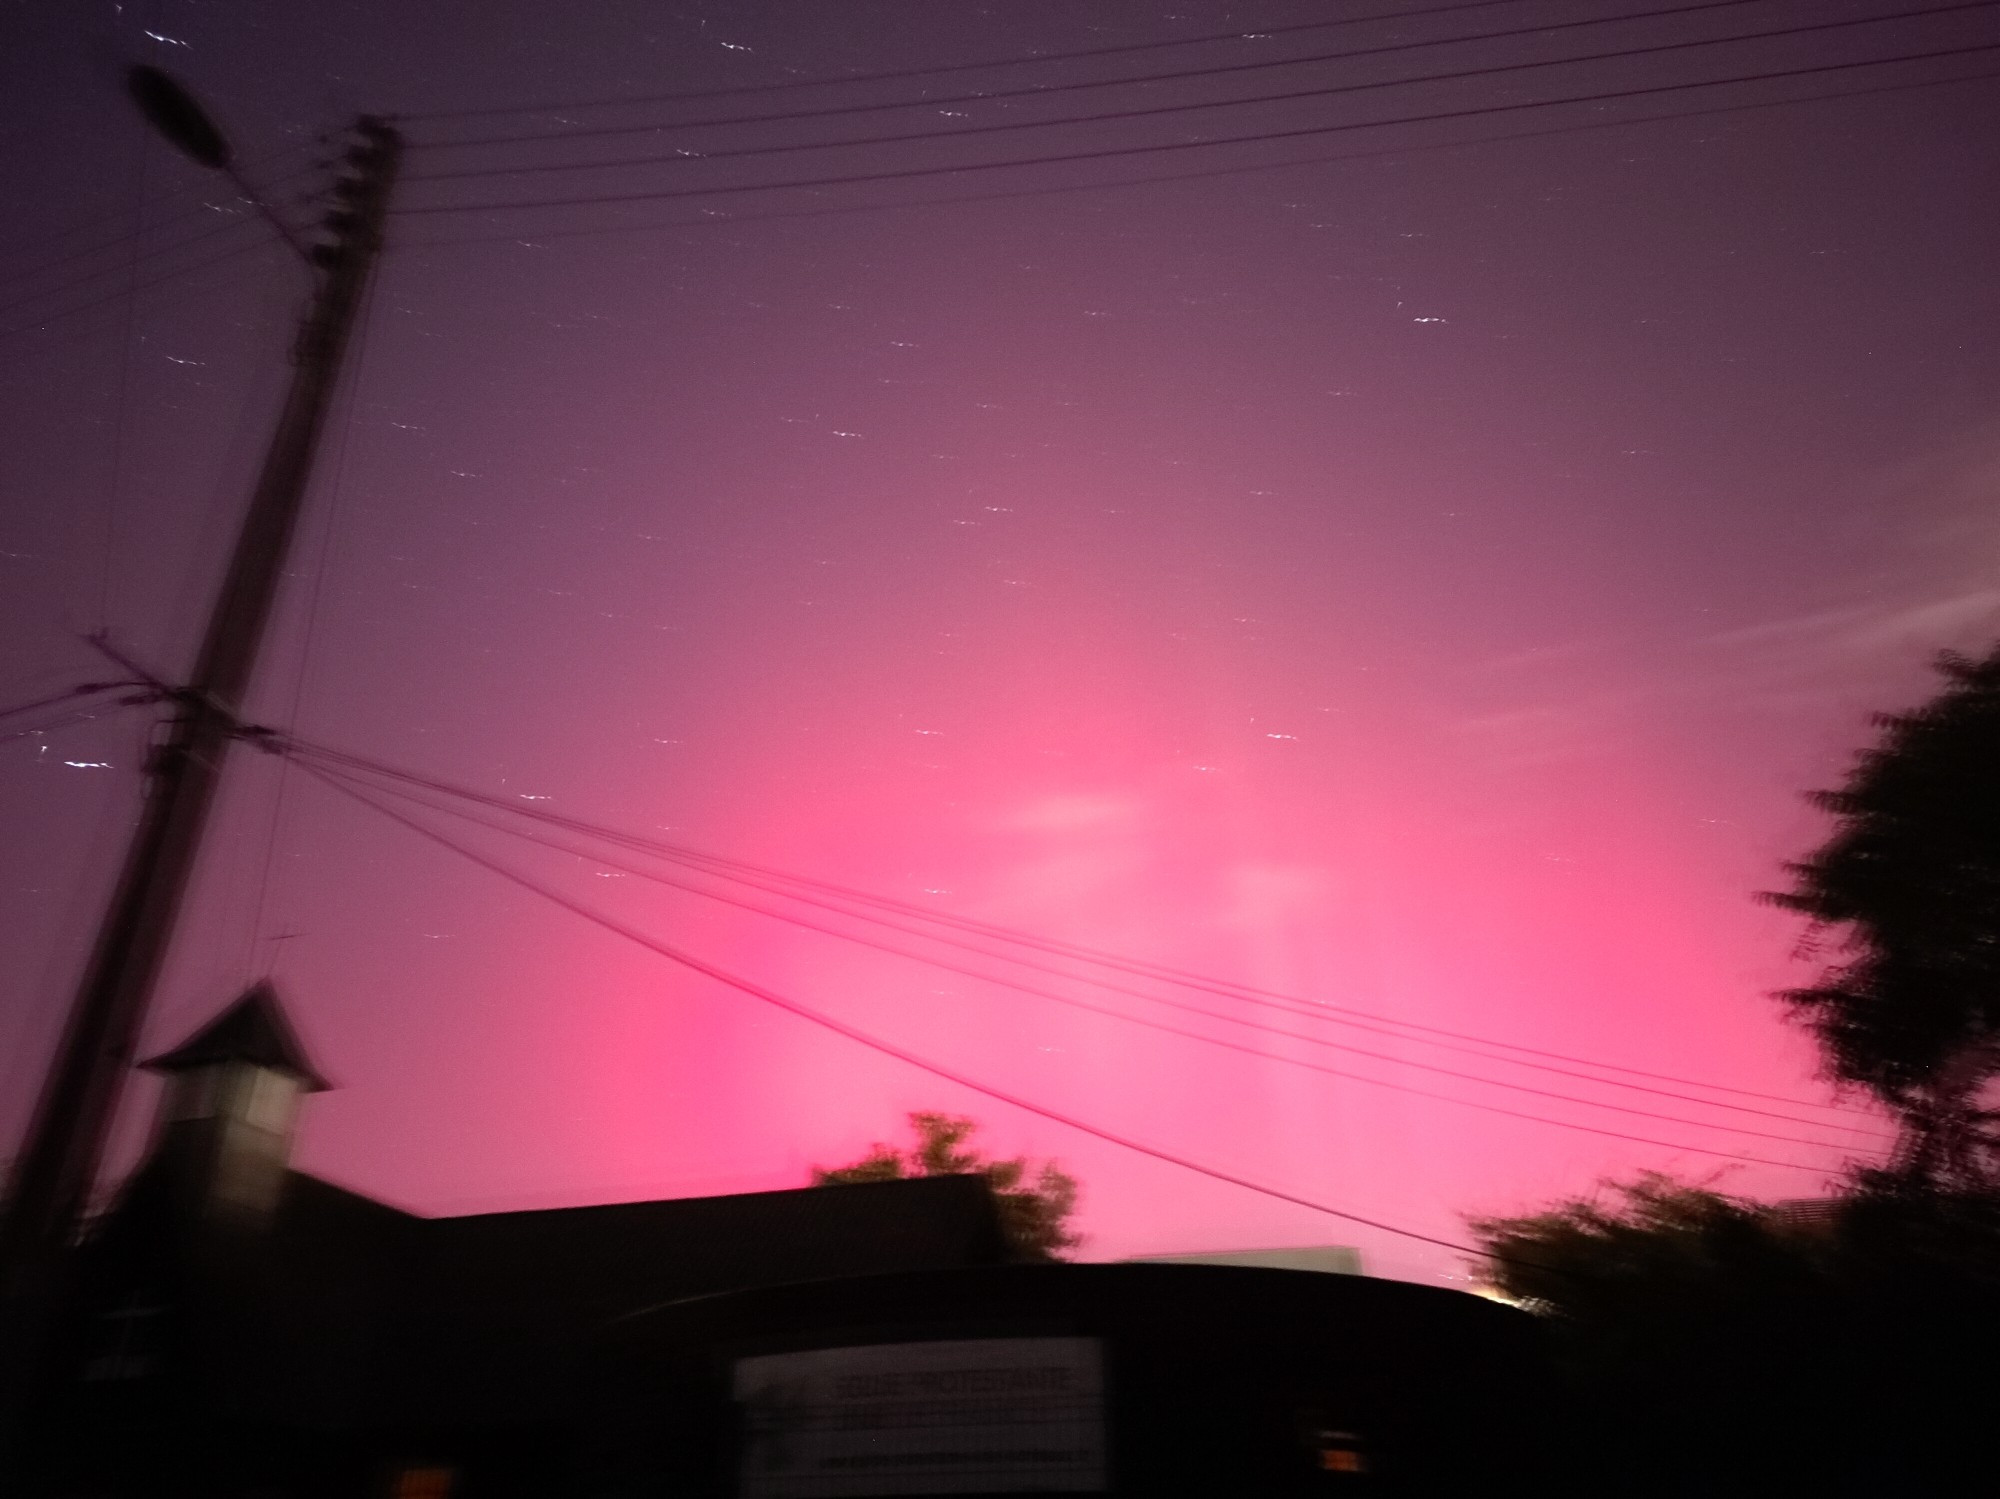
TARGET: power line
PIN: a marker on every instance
(105, 247)
(963, 67)
(1069, 1000)
(715, 220)
(354, 378)
(75, 282)
(987, 96)
(887, 1048)
(49, 726)
(192, 211)
(127, 355)
(690, 158)
(1191, 1009)
(35, 325)
(57, 699)
(731, 869)
(606, 199)
(712, 863)
(1290, 1004)
(1175, 1030)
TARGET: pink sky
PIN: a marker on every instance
(1423, 585)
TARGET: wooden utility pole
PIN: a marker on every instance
(61, 1156)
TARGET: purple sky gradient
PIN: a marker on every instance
(1422, 582)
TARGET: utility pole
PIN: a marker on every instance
(63, 1151)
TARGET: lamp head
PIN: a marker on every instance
(175, 114)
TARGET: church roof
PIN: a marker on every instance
(254, 1029)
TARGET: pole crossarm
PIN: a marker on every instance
(160, 690)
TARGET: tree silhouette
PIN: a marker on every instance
(1719, 1347)
(1823, 1347)
(1910, 883)
(1034, 1210)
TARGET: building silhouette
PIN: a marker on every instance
(242, 1327)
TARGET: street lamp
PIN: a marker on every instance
(175, 114)
(178, 116)
(64, 1145)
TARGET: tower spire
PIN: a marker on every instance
(227, 1120)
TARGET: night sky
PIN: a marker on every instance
(1414, 569)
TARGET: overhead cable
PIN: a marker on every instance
(1291, 1035)
(1285, 1004)
(86, 689)
(62, 721)
(1158, 148)
(124, 215)
(736, 869)
(693, 157)
(1027, 60)
(888, 1048)
(78, 282)
(988, 96)
(712, 219)
(36, 324)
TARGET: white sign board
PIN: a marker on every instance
(982, 1416)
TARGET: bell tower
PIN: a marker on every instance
(230, 1110)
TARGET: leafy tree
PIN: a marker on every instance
(1035, 1208)
(1719, 1347)
(1910, 883)
(1654, 1229)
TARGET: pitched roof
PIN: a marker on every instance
(254, 1029)
(346, 1309)
(510, 1294)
